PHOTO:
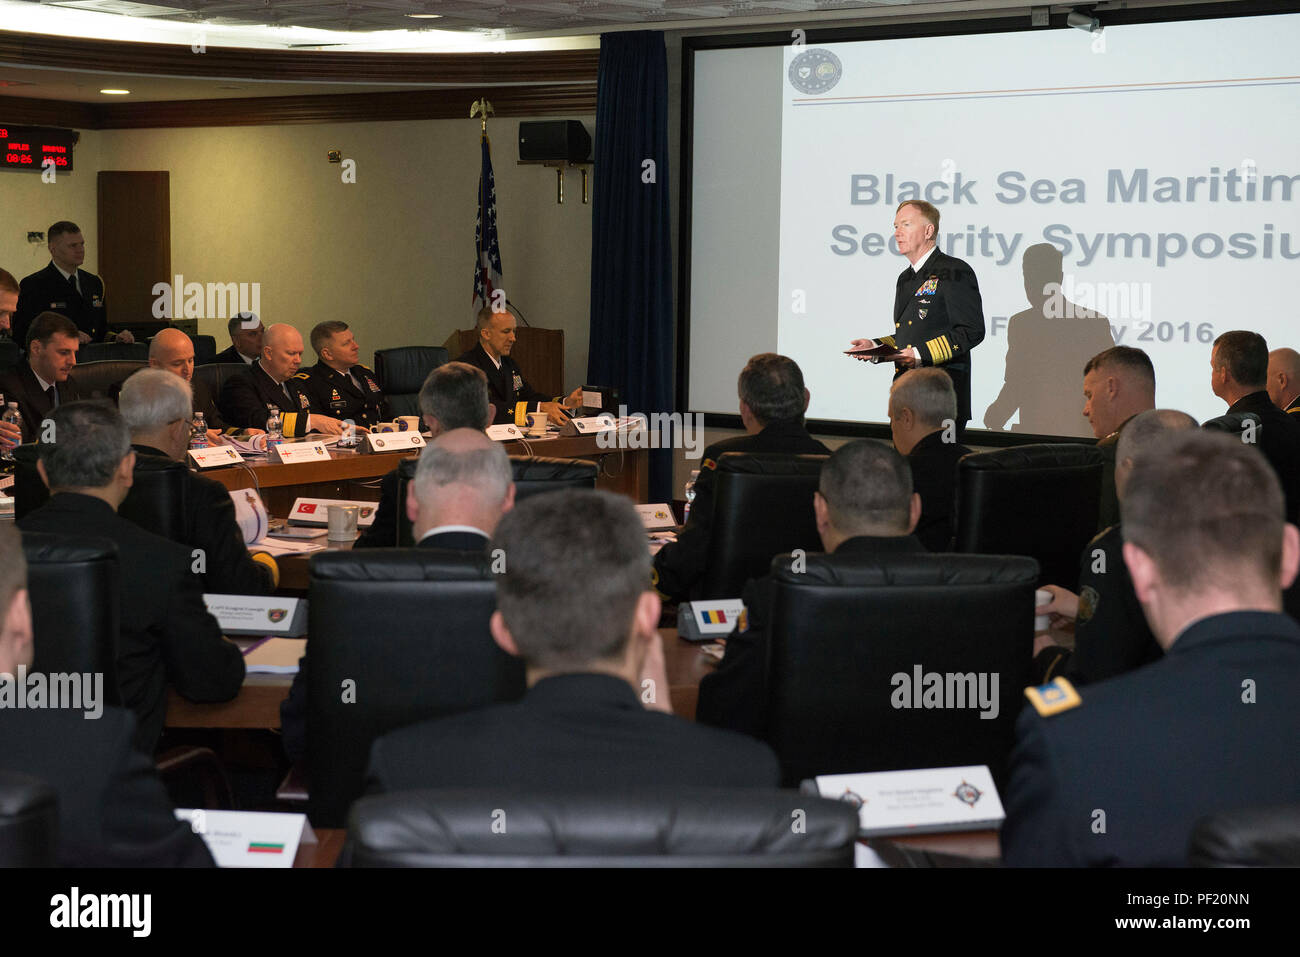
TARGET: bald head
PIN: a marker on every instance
(172, 351)
(281, 351)
(463, 478)
(1283, 376)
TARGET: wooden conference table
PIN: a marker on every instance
(351, 475)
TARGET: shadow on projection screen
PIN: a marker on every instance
(1136, 187)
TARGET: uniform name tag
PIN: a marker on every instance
(391, 442)
(215, 456)
(287, 453)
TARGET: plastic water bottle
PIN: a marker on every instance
(690, 495)
(274, 431)
(12, 415)
(198, 432)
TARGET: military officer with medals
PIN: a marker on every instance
(938, 313)
(511, 396)
(338, 384)
(273, 381)
(64, 287)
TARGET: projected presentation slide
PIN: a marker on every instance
(1136, 187)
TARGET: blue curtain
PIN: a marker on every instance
(631, 255)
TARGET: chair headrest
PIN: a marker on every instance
(400, 564)
(540, 468)
(771, 463)
(401, 371)
(915, 570)
(1045, 456)
(41, 548)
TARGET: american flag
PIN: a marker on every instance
(487, 251)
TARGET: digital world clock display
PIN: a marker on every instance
(37, 148)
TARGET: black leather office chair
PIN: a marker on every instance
(533, 474)
(102, 379)
(213, 375)
(407, 631)
(1248, 837)
(762, 507)
(10, 354)
(695, 827)
(1035, 500)
(113, 351)
(75, 593)
(205, 349)
(402, 371)
(29, 821)
(29, 490)
(843, 628)
(157, 501)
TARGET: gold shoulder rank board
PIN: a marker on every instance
(708, 464)
(1054, 697)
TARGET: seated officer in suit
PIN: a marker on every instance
(1111, 635)
(8, 300)
(772, 403)
(462, 487)
(1116, 774)
(923, 420)
(1239, 376)
(167, 636)
(39, 383)
(864, 505)
(574, 602)
(64, 287)
(246, 332)
(1283, 377)
(274, 380)
(453, 396)
(113, 811)
(511, 395)
(173, 351)
(339, 383)
(156, 408)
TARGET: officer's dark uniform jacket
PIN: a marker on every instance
(244, 400)
(1116, 774)
(48, 291)
(1111, 634)
(508, 390)
(680, 564)
(938, 311)
(335, 394)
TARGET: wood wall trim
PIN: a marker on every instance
(112, 56)
(281, 110)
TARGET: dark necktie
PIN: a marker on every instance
(53, 394)
(72, 281)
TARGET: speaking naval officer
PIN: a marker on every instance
(64, 287)
(511, 395)
(938, 314)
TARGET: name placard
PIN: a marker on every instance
(288, 453)
(249, 838)
(590, 425)
(656, 517)
(251, 615)
(314, 512)
(704, 620)
(914, 802)
(504, 433)
(373, 442)
(215, 456)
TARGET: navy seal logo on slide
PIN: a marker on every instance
(815, 71)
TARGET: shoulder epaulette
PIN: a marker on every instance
(1054, 697)
(1100, 535)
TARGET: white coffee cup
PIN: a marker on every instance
(408, 423)
(536, 423)
(342, 523)
(1042, 597)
